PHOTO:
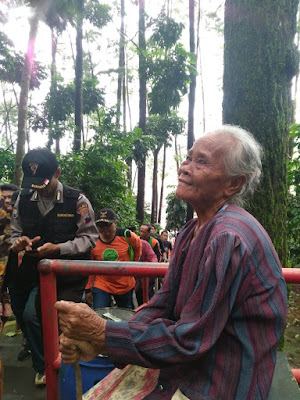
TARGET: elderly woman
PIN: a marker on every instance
(213, 328)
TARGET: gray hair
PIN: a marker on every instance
(242, 155)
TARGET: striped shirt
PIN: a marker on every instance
(213, 328)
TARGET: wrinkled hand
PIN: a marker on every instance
(78, 321)
(74, 350)
(24, 243)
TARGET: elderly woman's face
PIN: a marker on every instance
(202, 180)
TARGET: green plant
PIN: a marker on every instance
(176, 213)
(293, 211)
(100, 169)
(7, 162)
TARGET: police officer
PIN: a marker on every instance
(50, 220)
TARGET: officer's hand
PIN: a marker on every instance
(24, 243)
(47, 249)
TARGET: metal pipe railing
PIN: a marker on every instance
(49, 269)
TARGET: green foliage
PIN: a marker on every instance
(163, 127)
(7, 162)
(11, 64)
(100, 169)
(141, 147)
(59, 12)
(60, 103)
(58, 107)
(97, 14)
(93, 97)
(176, 213)
(168, 66)
(166, 32)
(293, 211)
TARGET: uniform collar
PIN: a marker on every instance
(58, 198)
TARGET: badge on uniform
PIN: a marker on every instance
(84, 211)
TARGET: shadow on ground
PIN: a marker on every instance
(18, 375)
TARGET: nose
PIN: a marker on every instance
(184, 167)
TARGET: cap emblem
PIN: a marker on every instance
(33, 167)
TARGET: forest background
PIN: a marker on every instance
(120, 90)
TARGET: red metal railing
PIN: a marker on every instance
(49, 269)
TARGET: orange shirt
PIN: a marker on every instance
(117, 250)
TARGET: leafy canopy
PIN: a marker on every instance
(168, 66)
(99, 170)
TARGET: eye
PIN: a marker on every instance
(201, 161)
(188, 158)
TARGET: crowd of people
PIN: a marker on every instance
(211, 331)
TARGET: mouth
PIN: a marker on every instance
(184, 182)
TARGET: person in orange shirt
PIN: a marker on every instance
(112, 245)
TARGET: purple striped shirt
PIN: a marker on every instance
(219, 339)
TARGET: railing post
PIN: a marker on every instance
(50, 328)
(145, 286)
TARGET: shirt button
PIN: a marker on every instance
(160, 388)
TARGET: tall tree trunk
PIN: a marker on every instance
(297, 41)
(190, 135)
(176, 152)
(93, 76)
(142, 107)
(127, 95)
(259, 63)
(199, 56)
(121, 91)
(154, 188)
(124, 102)
(297, 44)
(121, 71)
(23, 103)
(6, 120)
(78, 76)
(162, 185)
(53, 87)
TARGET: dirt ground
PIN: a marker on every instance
(292, 332)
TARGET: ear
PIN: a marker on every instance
(57, 173)
(235, 183)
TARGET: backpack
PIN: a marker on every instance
(130, 248)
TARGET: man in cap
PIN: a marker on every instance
(50, 220)
(114, 244)
(164, 235)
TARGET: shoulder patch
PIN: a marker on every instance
(84, 212)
